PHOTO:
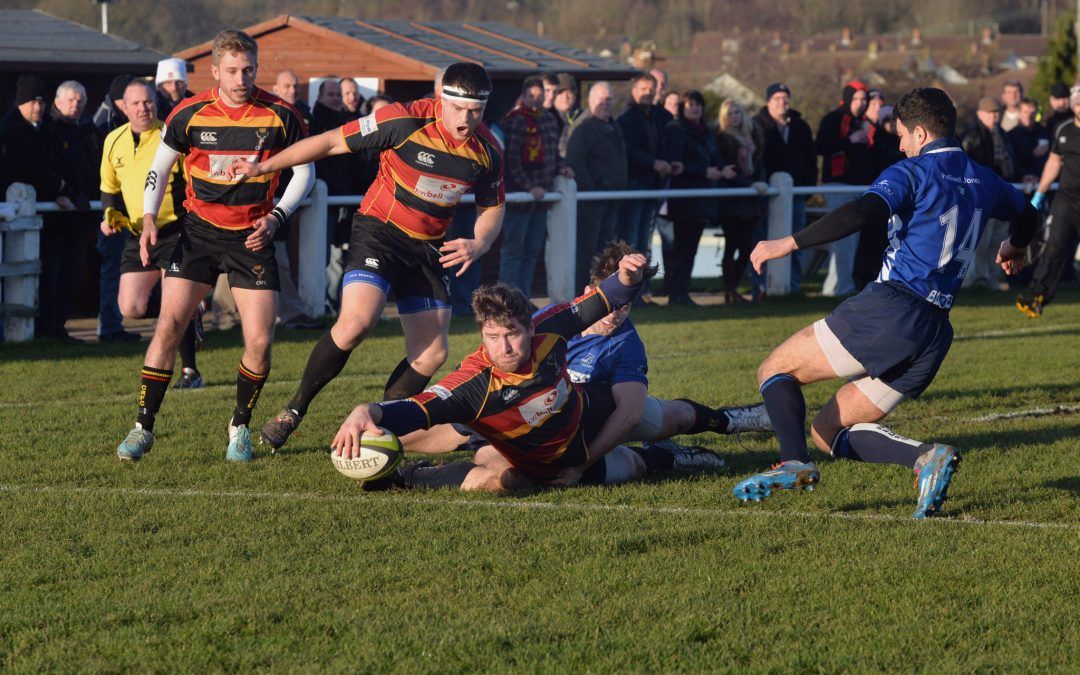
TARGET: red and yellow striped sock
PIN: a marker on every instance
(154, 384)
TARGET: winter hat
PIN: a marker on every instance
(776, 88)
(27, 88)
(169, 70)
(119, 86)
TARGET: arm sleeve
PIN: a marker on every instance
(157, 179)
(848, 219)
(1022, 229)
(402, 416)
(109, 181)
(112, 200)
(387, 127)
(458, 397)
(303, 177)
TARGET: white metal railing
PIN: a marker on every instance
(20, 223)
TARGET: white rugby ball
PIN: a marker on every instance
(379, 455)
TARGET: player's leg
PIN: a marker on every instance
(361, 306)
(426, 348)
(178, 299)
(135, 290)
(488, 471)
(258, 311)
(1064, 224)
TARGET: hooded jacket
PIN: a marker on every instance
(842, 160)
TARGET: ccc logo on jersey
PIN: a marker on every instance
(208, 137)
(425, 158)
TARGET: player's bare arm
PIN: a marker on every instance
(308, 150)
(632, 269)
(629, 406)
(1050, 173)
(772, 249)
(465, 252)
(837, 224)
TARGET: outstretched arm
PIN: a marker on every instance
(308, 150)
(848, 219)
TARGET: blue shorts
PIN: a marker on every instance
(887, 333)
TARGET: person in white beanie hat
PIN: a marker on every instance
(171, 82)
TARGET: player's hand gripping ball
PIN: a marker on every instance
(379, 455)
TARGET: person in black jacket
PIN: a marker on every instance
(27, 151)
(739, 216)
(691, 144)
(642, 127)
(787, 145)
(986, 143)
(64, 235)
(843, 141)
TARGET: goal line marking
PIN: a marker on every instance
(518, 504)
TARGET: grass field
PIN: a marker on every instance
(185, 563)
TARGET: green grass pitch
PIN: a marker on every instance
(183, 562)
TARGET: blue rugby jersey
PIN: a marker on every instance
(618, 358)
(940, 203)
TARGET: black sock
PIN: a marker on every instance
(325, 363)
(656, 459)
(787, 410)
(187, 348)
(249, 385)
(706, 418)
(404, 382)
(878, 444)
(155, 383)
(450, 475)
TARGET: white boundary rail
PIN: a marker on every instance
(20, 225)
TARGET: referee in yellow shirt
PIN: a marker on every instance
(129, 152)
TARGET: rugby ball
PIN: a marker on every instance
(379, 455)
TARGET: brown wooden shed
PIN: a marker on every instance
(404, 56)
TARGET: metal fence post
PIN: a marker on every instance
(313, 251)
(20, 253)
(560, 253)
(778, 272)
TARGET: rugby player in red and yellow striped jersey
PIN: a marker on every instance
(432, 152)
(228, 228)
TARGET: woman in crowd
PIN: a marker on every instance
(691, 144)
(738, 216)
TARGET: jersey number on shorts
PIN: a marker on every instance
(966, 251)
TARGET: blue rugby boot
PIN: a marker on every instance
(239, 444)
(790, 475)
(935, 474)
(138, 442)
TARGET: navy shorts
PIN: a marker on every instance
(203, 252)
(895, 337)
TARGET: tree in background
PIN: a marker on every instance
(1059, 64)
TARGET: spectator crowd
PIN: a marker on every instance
(658, 138)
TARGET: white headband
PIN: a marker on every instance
(459, 95)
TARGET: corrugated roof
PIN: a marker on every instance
(32, 39)
(498, 47)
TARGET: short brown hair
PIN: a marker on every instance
(606, 262)
(500, 304)
(233, 42)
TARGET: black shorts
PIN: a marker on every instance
(599, 404)
(204, 251)
(383, 256)
(160, 253)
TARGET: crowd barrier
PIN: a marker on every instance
(20, 226)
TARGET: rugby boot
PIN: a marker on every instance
(688, 458)
(239, 444)
(936, 470)
(189, 379)
(752, 417)
(398, 478)
(1032, 307)
(138, 443)
(275, 432)
(790, 475)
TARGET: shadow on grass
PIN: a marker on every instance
(1067, 484)
(1054, 392)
